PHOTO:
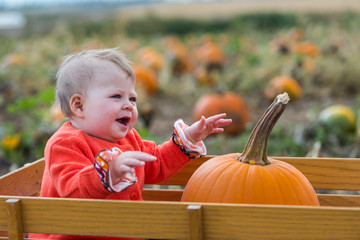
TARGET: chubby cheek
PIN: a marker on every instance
(106, 113)
(134, 118)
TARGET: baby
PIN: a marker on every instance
(97, 153)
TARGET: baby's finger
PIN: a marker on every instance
(223, 122)
(141, 156)
(124, 169)
(216, 117)
(133, 162)
(201, 123)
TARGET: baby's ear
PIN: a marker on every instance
(76, 104)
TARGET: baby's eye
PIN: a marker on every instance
(133, 99)
(116, 96)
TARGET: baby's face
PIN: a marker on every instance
(110, 105)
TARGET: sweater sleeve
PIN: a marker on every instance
(71, 169)
(170, 159)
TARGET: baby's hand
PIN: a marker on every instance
(125, 162)
(206, 126)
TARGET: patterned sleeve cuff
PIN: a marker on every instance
(102, 167)
(191, 150)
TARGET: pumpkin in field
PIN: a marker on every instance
(179, 58)
(150, 57)
(251, 177)
(14, 59)
(210, 55)
(306, 48)
(281, 84)
(146, 79)
(338, 118)
(224, 102)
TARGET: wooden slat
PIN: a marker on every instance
(25, 181)
(13, 207)
(165, 220)
(161, 220)
(195, 222)
(323, 173)
(278, 222)
(170, 220)
(3, 216)
(182, 176)
(329, 173)
(339, 200)
(162, 195)
(335, 200)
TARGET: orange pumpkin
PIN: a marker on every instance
(251, 177)
(211, 55)
(281, 84)
(306, 49)
(224, 102)
(15, 59)
(180, 60)
(146, 79)
(152, 58)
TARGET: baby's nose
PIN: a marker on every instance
(127, 105)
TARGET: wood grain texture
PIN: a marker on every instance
(339, 200)
(165, 220)
(336, 200)
(105, 218)
(162, 195)
(323, 173)
(3, 216)
(25, 181)
(279, 222)
(338, 217)
(195, 222)
(329, 173)
(13, 209)
(182, 176)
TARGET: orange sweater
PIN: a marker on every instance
(70, 172)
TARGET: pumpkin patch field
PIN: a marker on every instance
(188, 66)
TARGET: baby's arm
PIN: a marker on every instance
(199, 130)
(189, 138)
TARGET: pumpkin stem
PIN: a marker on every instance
(255, 151)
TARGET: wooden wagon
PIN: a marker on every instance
(163, 216)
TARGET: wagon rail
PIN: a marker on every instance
(163, 216)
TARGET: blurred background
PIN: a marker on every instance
(188, 51)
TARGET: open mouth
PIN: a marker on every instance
(123, 121)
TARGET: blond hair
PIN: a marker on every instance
(78, 69)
